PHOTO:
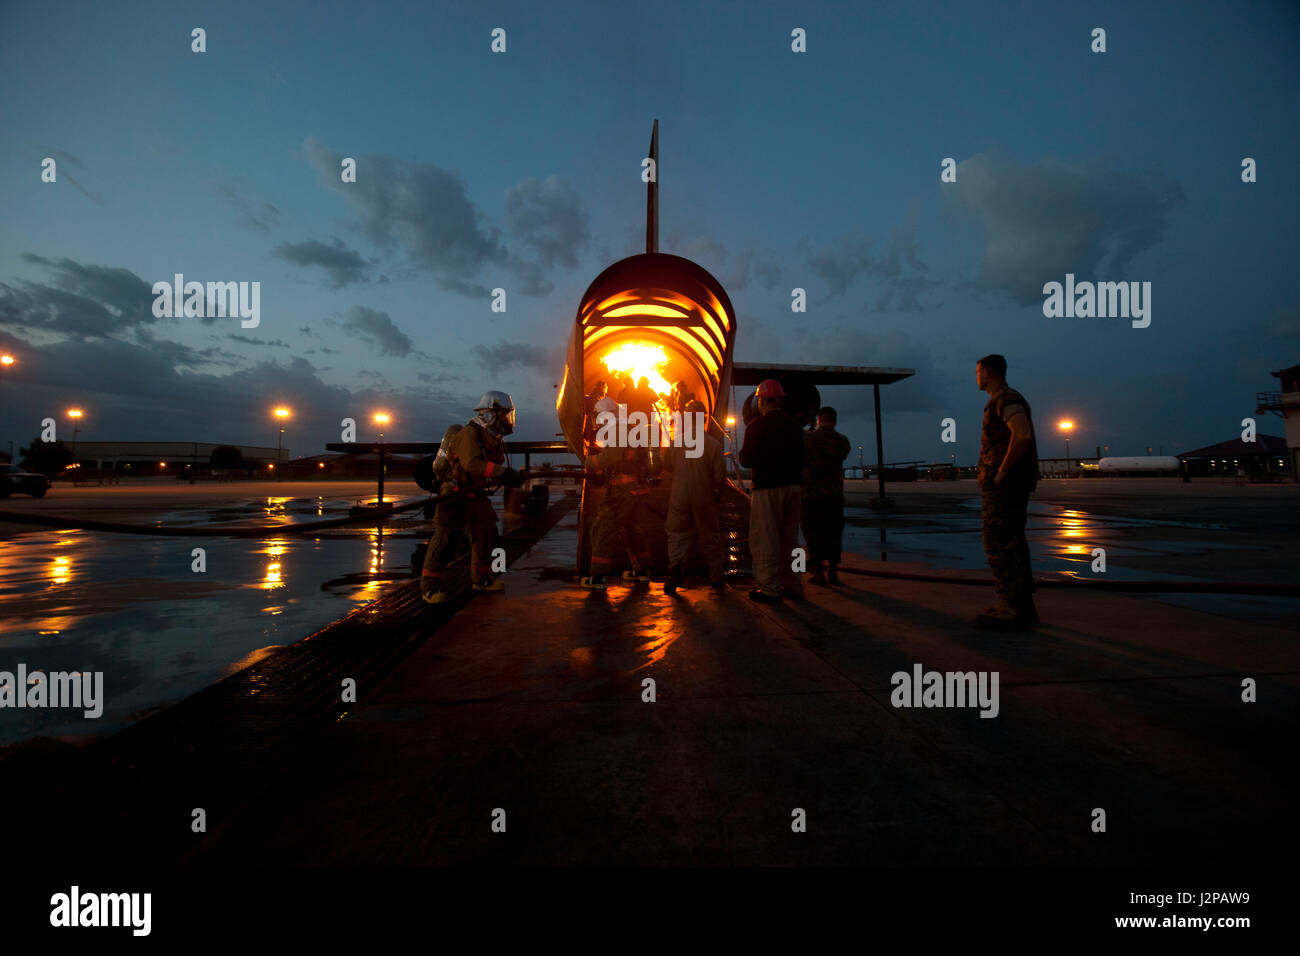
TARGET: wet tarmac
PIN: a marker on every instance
(136, 608)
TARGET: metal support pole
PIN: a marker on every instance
(880, 452)
(381, 474)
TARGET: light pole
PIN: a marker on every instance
(75, 415)
(6, 363)
(381, 419)
(281, 413)
(1066, 426)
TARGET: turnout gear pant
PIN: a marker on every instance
(823, 528)
(692, 516)
(473, 513)
(1003, 511)
(773, 536)
(617, 517)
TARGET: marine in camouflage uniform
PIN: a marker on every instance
(824, 451)
(1004, 497)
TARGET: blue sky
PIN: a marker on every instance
(522, 171)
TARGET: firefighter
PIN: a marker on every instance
(693, 505)
(773, 449)
(477, 460)
(622, 470)
(448, 521)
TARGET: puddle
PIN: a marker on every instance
(136, 608)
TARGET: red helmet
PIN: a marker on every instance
(770, 388)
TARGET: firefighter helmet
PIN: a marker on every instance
(770, 388)
(496, 412)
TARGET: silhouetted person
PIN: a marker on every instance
(1008, 472)
(773, 449)
(693, 506)
(824, 451)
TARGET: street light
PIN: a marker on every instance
(1066, 426)
(6, 362)
(281, 413)
(381, 419)
(75, 415)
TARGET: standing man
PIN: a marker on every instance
(478, 455)
(1008, 472)
(773, 450)
(693, 505)
(622, 470)
(824, 451)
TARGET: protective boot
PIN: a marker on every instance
(674, 579)
(594, 581)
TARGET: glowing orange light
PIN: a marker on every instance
(640, 359)
(282, 413)
(6, 360)
(162, 464)
(382, 418)
(1065, 424)
(731, 420)
(74, 413)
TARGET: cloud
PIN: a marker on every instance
(249, 340)
(82, 300)
(65, 160)
(344, 265)
(132, 381)
(840, 263)
(377, 329)
(419, 207)
(548, 216)
(426, 211)
(261, 216)
(515, 353)
(1046, 219)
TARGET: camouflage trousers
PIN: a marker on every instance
(823, 528)
(1003, 511)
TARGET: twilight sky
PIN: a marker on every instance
(521, 170)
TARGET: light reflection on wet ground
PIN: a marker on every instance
(1060, 539)
(135, 608)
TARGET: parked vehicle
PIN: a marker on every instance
(14, 479)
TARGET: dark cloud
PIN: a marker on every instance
(548, 216)
(515, 353)
(64, 160)
(902, 294)
(344, 265)
(378, 330)
(249, 340)
(81, 300)
(133, 383)
(840, 263)
(261, 216)
(419, 207)
(1049, 218)
(426, 211)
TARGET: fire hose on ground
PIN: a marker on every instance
(383, 511)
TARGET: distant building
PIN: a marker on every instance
(153, 457)
(1264, 459)
(1285, 402)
